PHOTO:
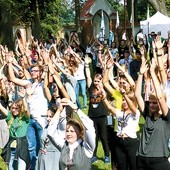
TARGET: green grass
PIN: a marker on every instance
(2, 164)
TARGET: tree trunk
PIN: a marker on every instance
(36, 27)
(77, 16)
(159, 5)
(129, 9)
(6, 34)
(77, 19)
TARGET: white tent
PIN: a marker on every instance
(158, 22)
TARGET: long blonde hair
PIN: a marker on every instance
(22, 111)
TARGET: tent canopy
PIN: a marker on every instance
(158, 22)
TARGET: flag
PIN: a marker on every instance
(131, 19)
(102, 27)
(117, 20)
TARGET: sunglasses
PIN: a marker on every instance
(35, 70)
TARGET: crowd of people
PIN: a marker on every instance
(42, 121)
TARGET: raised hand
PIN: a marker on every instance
(68, 102)
(144, 66)
(9, 57)
(122, 91)
(45, 56)
(142, 50)
(122, 69)
(152, 65)
(51, 68)
(109, 63)
(158, 43)
(86, 59)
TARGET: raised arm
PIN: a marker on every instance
(168, 44)
(56, 135)
(89, 127)
(106, 83)
(22, 93)
(46, 84)
(138, 89)
(11, 72)
(56, 77)
(128, 77)
(159, 55)
(159, 93)
(130, 103)
(3, 110)
(3, 88)
(87, 71)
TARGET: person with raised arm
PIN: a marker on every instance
(16, 153)
(37, 105)
(153, 149)
(49, 154)
(97, 111)
(127, 141)
(78, 146)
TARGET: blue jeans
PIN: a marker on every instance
(34, 141)
(82, 84)
(21, 164)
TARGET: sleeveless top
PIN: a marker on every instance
(79, 162)
(96, 105)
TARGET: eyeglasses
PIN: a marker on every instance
(35, 70)
(122, 82)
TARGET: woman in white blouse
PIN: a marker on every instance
(79, 143)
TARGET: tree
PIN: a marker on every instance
(159, 5)
(6, 35)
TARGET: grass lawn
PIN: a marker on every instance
(2, 164)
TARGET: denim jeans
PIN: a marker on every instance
(34, 141)
(21, 164)
(82, 84)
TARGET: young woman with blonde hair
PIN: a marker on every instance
(16, 153)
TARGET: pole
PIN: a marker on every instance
(133, 31)
(125, 15)
(148, 17)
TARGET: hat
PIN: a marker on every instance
(153, 33)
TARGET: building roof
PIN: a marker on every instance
(92, 6)
(86, 7)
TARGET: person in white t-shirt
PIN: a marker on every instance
(126, 140)
(139, 35)
(37, 105)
